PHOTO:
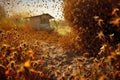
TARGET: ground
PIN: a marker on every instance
(28, 56)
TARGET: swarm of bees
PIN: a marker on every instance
(95, 27)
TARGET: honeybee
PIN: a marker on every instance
(27, 64)
(96, 18)
(114, 11)
(111, 36)
(99, 20)
(101, 35)
(115, 22)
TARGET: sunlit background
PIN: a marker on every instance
(33, 7)
(28, 8)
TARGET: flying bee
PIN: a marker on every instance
(101, 35)
(99, 20)
(102, 49)
(27, 64)
(103, 46)
(115, 22)
(96, 18)
(111, 36)
(117, 51)
(114, 11)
